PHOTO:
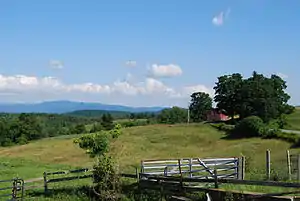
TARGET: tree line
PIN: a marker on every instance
(25, 127)
(236, 96)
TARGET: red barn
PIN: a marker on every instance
(216, 115)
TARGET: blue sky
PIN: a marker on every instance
(142, 53)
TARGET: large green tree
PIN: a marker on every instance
(257, 95)
(200, 104)
(107, 121)
(228, 93)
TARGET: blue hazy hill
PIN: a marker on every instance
(60, 107)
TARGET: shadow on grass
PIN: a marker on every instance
(129, 192)
(84, 191)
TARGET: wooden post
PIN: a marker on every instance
(137, 174)
(166, 171)
(289, 164)
(161, 190)
(14, 190)
(190, 167)
(45, 183)
(268, 164)
(237, 167)
(179, 164)
(243, 167)
(298, 167)
(142, 167)
(216, 178)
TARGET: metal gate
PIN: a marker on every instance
(12, 189)
(229, 168)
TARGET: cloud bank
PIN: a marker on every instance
(52, 88)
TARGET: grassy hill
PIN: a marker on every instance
(138, 143)
(294, 120)
(150, 142)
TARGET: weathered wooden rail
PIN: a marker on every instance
(13, 189)
(173, 184)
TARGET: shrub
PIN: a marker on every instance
(107, 179)
(95, 144)
(116, 132)
(127, 124)
(282, 121)
(96, 128)
(223, 127)
(270, 130)
(252, 126)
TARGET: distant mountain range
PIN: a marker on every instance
(60, 107)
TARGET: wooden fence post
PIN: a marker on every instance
(268, 164)
(243, 167)
(166, 171)
(238, 165)
(45, 183)
(137, 174)
(14, 190)
(289, 163)
(142, 167)
(190, 167)
(298, 167)
(216, 178)
(181, 176)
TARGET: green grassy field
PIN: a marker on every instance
(294, 120)
(151, 142)
(140, 143)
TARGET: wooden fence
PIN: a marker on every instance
(293, 162)
(77, 174)
(12, 189)
(233, 168)
(183, 184)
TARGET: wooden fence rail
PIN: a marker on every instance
(220, 181)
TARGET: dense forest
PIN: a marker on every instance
(25, 127)
(21, 128)
(114, 114)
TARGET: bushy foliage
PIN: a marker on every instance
(136, 122)
(173, 115)
(107, 180)
(223, 127)
(116, 132)
(95, 144)
(105, 175)
(252, 126)
(96, 128)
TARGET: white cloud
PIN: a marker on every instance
(56, 64)
(282, 75)
(170, 70)
(131, 63)
(219, 19)
(150, 89)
